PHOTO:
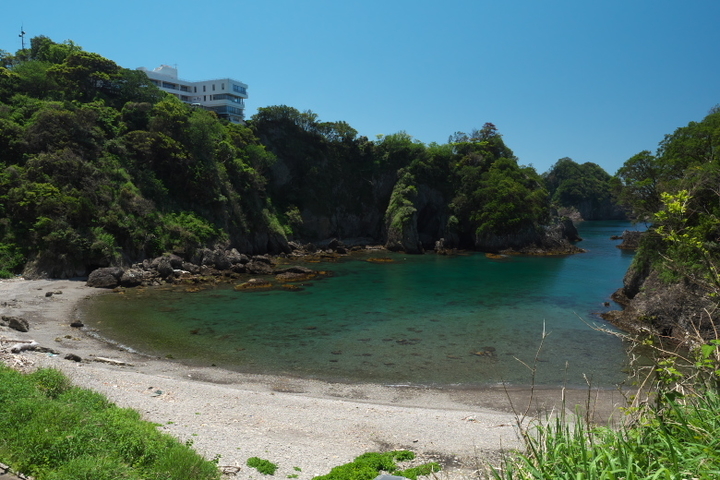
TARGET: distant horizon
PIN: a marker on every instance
(592, 82)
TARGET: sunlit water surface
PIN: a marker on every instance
(426, 319)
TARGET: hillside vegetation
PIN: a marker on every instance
(672, 288)
(98, 167)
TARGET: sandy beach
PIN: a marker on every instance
(306, 427)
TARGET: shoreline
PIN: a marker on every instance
(293, 422)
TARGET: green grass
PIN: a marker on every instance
(54, 431)
(680, 439)
(266, 467)
(370, 465)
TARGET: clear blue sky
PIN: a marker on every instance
(594, 81)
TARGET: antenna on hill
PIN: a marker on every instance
(22, 36)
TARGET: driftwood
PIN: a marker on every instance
(112, 361)
(24, 345)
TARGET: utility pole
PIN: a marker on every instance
(22, 37)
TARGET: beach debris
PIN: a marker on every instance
(73, 357)
(22, 346)
(112, 361)
(16, 323)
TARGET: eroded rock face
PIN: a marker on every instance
(554, 239)
(107, 277)
(678, 310)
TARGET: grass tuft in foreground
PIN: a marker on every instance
(266, 467)
(370, 465)
(54, 431)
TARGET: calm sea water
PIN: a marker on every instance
(431, 320)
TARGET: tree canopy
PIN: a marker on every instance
(99, 167)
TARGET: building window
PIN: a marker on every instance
(239, 89)
(222, 86)
(194, 89)
(203, 88)
(213, 87)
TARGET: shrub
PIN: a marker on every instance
(369, 465)
(265, 467)
(54, 431)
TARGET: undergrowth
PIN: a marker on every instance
(370, 465)
(266, 467)
(54, 431)
(670, 429)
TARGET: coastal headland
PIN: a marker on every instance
(305, 426)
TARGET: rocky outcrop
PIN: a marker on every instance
(555, 239)
(108, 277)
(417, 224)
(47, 265)
(630, 240)
(679, 310)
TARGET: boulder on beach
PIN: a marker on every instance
(107, 277)
(16, 323)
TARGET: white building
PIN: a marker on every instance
(224, 96)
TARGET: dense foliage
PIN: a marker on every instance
(585, 188)
(99, 167)
(677, 191)
(52, 430)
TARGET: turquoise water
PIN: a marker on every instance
(427, 319)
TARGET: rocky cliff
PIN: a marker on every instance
(680, 310)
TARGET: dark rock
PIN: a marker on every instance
(48, 294)
(16, 323)
(190, 267)
(341, 250)
(108, 277)
(259, 267)
(293, 269)
(254, 284)
(236, 257)
(77, 324)
(218, 259)
(163, 266)
(239, 268)
(73, 357)
(630, 240)
(132, 278)
(262, 258)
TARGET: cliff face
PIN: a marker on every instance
(419, 223)
(677, 310)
